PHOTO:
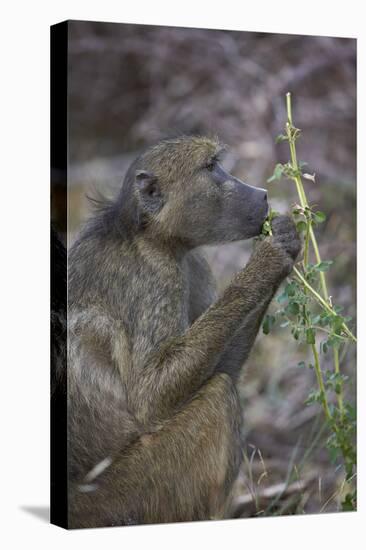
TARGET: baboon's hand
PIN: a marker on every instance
(274, 256)
(280, 250)
(285, 236)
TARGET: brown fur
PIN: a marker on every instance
(154, 357)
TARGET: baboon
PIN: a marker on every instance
(154, 356)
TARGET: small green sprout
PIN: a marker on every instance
(267, 225)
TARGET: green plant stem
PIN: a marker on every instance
(310, 232)
(322, 329)
(300, 190)
(337, 371)
(318, 259)
(306, 245)
(323, 302)
(318, 372)
(320, 380)
(337, 421)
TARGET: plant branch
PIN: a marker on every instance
(300, 188)
(323, 303)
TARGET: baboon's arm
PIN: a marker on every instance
(171, 375)
(238, 350)
(202, 295)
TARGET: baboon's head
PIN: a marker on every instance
(182, 192)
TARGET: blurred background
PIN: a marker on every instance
(130, 85)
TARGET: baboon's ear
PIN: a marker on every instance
(149, 190)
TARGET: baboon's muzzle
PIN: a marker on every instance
(249, 205)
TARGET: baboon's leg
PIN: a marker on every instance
(181, 472)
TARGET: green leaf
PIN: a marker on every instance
(268, 323)
(266, 228)
(323, 266)
(301, 226)
(280, 138)
(348, 505)
(310, 336)
(334, 342)
(290, 289)
(319, 217)
(324, 346)
(301, 365)
(277, 173)
(351, 412)
(313, 397)
(325, 319)
(293, 308)
(337, 323)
